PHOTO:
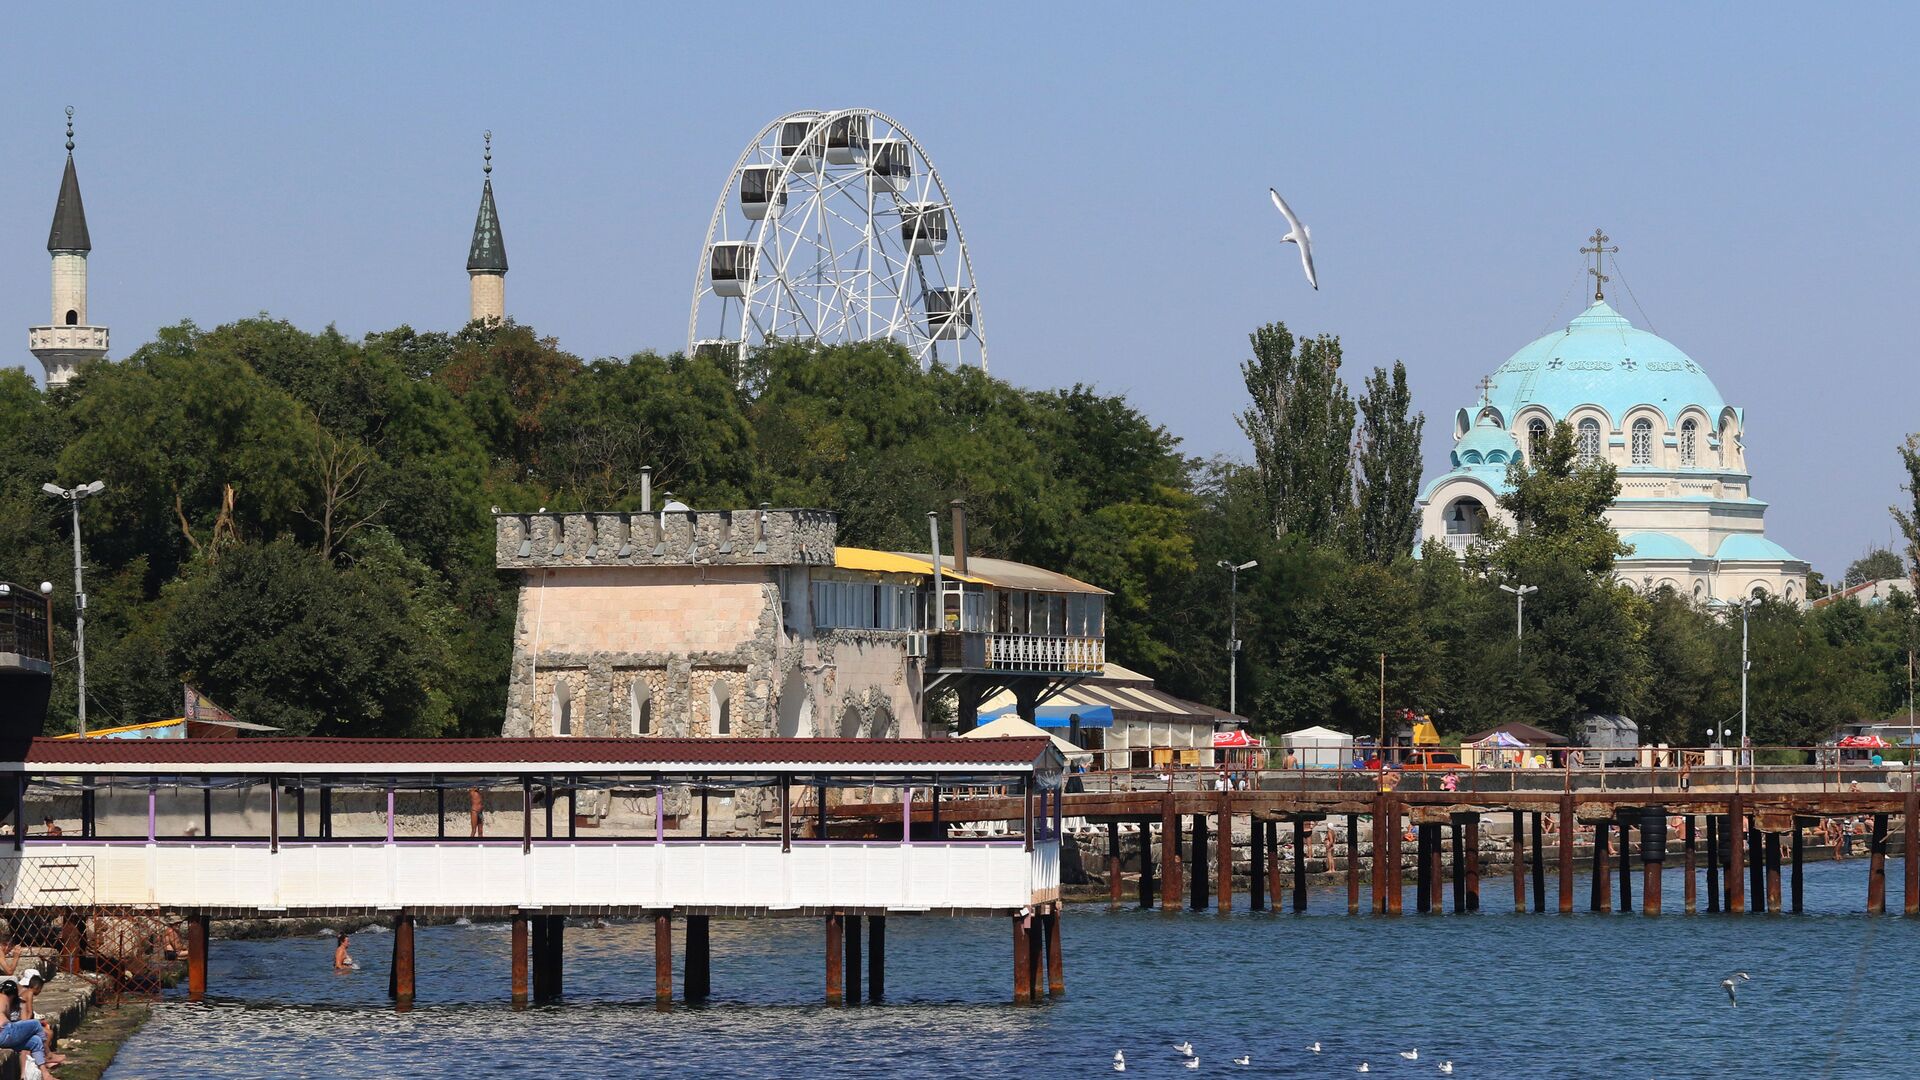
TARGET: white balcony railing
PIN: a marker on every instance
(67, 337)
(1033, 652)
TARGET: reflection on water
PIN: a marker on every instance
(1500, 995)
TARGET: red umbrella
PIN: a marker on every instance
(1863, 742)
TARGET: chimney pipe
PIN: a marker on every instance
(959, 536)
(646, 489)
(935, 621)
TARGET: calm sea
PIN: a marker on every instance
(1497, 994)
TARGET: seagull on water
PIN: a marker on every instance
(1119, 1061)
(1447, 1067)
(1363, 1068)
(1193, 1063)
(1728, 985)
(1299, 235)
(1411, 1055)
(1184, 1049)
(1243, 1059)
(1315, 1048)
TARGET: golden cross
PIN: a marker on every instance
(1486, 389)
(1598, 250)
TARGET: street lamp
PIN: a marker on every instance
(75, 495)
(1233, 630)
(1519, 611)
(1745, 605)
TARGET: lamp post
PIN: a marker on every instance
(1233, 630)
(1745, 605)
(75, 495)
(1519, 611)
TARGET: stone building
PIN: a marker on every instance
(69, 340)
(684, 622)
(1685, 505)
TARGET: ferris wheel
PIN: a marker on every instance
(835, 227)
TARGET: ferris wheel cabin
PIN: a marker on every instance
(949, 313)
(890, 161)
(846, 139)
(923, 228)
(796, 147)
(760, 192)
(730, 267)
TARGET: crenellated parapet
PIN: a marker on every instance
(758, 537)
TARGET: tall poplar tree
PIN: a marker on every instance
(1387, 469)
(1300, 424)
(1910, 519)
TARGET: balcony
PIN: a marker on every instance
(1018, 653)
(51, 338)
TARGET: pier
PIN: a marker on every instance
(1732, 822)
(619, 828)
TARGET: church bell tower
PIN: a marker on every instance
(70, 340)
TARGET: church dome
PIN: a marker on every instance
(1487, 445)
(1602, 360)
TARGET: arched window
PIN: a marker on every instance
(1643, 441)
(1537, 435)
(850, 723)
(562, 708)
(73, 317)
(1466, 517)
(1588, 441)
(1689, 443)
(721, 711)
(639, 708)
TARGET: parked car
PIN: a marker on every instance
(1430, 760)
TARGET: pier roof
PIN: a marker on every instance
(538, 755)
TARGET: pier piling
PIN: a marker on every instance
(1197, 871)
(851, 975)
(663, 963)
(1731, 836)
(1799, 839)
(1146, 865)
(698, 976)
(1627, 819)
(1273, 862)
(518, 947)
(1911, 841)
(1519, 862)
(1396, 878)
(1713, 864)
(1257, 876)
(1377, 878)
(1756, 865)
(1022, 964)
(197, 927)
(1056, 960)
(836, 990)
(1113, 864)
(1599, 899)
(1455, 830)
(1223, 873)
(1169, 856)
(1566, 854)
(1691, 898)
(1539, 867)
(1423, 868)
(1771, 843)
(1877, 867)
(400, 974)
(1300, 844)
(1473, 862)
(877, 956)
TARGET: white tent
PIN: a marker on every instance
(1012, 727)
(1319, 748)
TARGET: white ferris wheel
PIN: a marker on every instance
(835, 227)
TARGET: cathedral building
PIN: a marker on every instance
(1685, 506)
(68, 340)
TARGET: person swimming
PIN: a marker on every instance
(342, 961)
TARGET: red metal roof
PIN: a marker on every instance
(638, 754)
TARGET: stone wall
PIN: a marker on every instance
(688, 538)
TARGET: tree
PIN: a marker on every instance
(1876, 565)
(1909, 519)
(1301, 425)
(285, 639)
(1387, 469)
(683, 418)
(507, 376)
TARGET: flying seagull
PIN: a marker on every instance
(1184, 1049)
(1297, 234)
(1728, 985)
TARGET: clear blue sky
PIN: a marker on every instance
(321, 162)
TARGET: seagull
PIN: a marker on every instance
(1728, 985)
(1363, 1068)
(1184, 1049)
(1315, 1048)
(1193, 1063)
(1447, 1067)
(1411, 1055)
(1243, 1059)
(1119, 1061)
(1297, 234)
(1743, 976)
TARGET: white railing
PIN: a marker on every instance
(931, 876)
(1034, 652)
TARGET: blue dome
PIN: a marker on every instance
(1601, 359)
(1752, 547)
(1658, 545)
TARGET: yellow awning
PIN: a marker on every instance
(887, 562)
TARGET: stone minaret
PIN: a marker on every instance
(487, 258)
(70, 340)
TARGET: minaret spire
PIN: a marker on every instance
(487, 255)
(68, 340)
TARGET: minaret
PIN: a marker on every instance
(62, 346)
(487, 258)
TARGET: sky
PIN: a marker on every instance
(1109, 165)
